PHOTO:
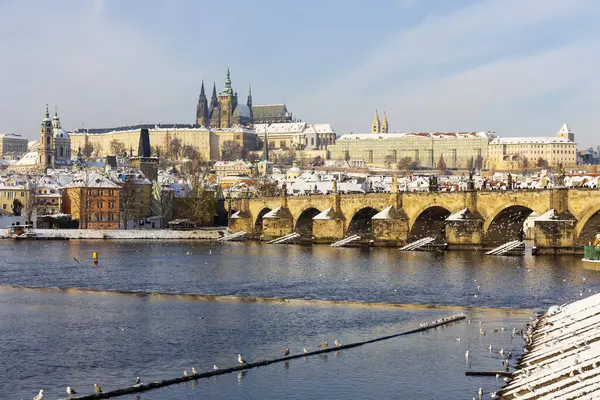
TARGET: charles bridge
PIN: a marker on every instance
(569, 218)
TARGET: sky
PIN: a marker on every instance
(515, 67)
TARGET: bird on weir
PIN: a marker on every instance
(286, 352)
(305, 350)
(185, 372)
(241, 359)
(138, 380)
(215, 367)
(70, 391)
(194, 371)
(337, 343)
(40, 395)
(97, 388)
(324, 345)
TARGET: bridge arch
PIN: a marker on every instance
(258, 223)
(304, 222)
(506, 223)
(430, 221)
(361, 222)
(587, 228)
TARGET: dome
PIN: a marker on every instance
(60, 133)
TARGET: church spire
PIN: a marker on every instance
(202, 108)
(249, 102)
(55, 119)
(266, 146)
(202, 94)
(213, 98)
(384, 124)
(227, 91)
(376, 125)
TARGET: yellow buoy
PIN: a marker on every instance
(95, 257)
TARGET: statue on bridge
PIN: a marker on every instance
(510, 181)
(335, 189)
(561, 179)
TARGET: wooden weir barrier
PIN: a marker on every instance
(261, 363)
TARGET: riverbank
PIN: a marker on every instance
(85, 234)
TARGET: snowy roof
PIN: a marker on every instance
(30, 158)
(565, 129)
(323, 128)
(93, 180)
(291, 127)
(60, 133)
(531, 139)
(11, 136)
(383, 214)
(458, 216)
(424, 135)
(325, 214)
(272, 213)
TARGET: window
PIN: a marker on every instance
(111, 204)
(89, 192)
(111, 217)
(4, 206)
(111, 192)
(9, 195)
(100, 204)
(98, 217)
(87, 204)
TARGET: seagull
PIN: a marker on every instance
(185, 372)
(70, 391)
(467, 355)
(324, 345)
(305, 350)
(241, 359)
(40, 395)
(215, 367)
(501, 352)
(337, 343)
(210, 252)
(286, 352)
(194, 371)
(490, 348)
(76, 260)
(97, 388)
(138, 381)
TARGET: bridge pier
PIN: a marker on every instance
(464, 230)
(329, 226)
(277, 223)
(390, 227)
(241, 221)
(554, 231)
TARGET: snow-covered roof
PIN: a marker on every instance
(424, 135)
(565, 129)
(530, 139)
(60, 133)
(383, 214)
(93, 180)
(30, 158)
(325, 214)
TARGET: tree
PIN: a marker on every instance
(175, 148)
(478, 162)
(98, 147)
(199, 203)
(31, 201)
(189, 152)
(266, 187)
(318, 161)
(253, 157)
(231, 151)
(541, 163)
(129, 196)
(17, 207)
(525, 163)
(441, 164)
(471, 164)
(162, 202)
(287, 157)
(388, 160)
(117, 147)
(407, 164)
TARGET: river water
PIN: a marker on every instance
(54, 338)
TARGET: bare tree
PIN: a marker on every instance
(175, 148)
(441, 164)
(117, 147)
(129, 200)
(388, 160)
(231, 150)
(407, 164)
(162, 202)
(31, 200)
(200, 201)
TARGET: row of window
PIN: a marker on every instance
(101, 217)
(109, 192)
(100, 204)
(12, 195)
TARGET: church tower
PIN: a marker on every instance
(202, 108)
(566, 132)
(227, 103)
(46, 146)
(376, 126)
(384, 124)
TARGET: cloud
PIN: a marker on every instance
(477, 67)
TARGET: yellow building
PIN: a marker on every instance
(532, 152)
(458, 149)
(11, 190)
(12, 145)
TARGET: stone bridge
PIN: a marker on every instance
(569, 218)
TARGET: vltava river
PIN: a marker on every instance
(51, 339)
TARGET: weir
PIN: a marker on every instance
(345, 241)
(261, 363)
(285, 238)
(512, 246)
(418, 244)
(232, 236)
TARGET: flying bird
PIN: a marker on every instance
(76, 260)
(97, 388)
(40, 395)
(70, 391)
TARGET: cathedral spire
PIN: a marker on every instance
(227, 91)
(55, 119)
(384, 124)
(266, 146)
(249, 102)
(213, 99)
(202, 94)
(376, 125)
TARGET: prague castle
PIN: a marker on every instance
(224, 111)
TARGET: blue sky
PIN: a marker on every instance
(516, 67)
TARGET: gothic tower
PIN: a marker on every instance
(227, 102)
(249, 102)
(202, 108)
(376, 125)
(46, 146)
(384, 124)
